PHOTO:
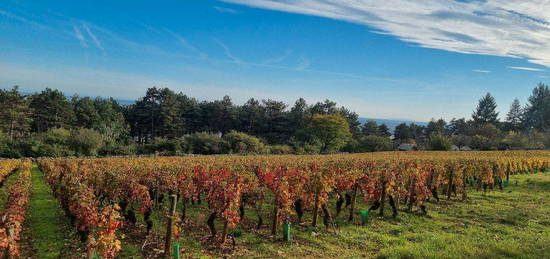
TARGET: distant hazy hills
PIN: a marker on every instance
(391, 123)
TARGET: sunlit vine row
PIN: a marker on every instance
(291, 184)
(15, 210)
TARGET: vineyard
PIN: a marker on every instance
(167, 206)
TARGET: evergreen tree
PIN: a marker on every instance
(15, 113)
(326, 107)
(51, 109)
(85, 112)
(299, 115)
(250, 116)
(369, 128)
(403, 132)
(171, 120)
(353, 121)
(276, 128)
(514, 117)
(112, 123)
(145, 116)
(486, 111)
(459, 126)
(383, 130)
(436, 127)
(191, 114)
(537, 113)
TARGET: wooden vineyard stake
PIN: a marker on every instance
(353, 197)
(275, 219)
(315, 209)
(168, 241)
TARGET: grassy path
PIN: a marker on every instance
(47, 231)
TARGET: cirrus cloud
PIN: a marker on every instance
(507, 28)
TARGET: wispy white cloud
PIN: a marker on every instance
(186, 44)
(508, 28)
(481, 71)
(96, 42)
(304, 63)
(278, 59)
(22, 19)
(225, 10)
(78, 35)
(525, 68)
(228, 53)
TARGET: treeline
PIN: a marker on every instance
(49, 123)
(524, 127)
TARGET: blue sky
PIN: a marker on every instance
(383, 59)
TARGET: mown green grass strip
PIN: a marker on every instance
(47, 226)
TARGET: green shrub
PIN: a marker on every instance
(164, 146)
(280, 149)
(56, 136)
(113, 148)
(439, 142)
(52, 143)
(86, 142)
(483, 143)
(519, 141)
(242, 143)
(372, 143)
(313, 146)
(204, 143)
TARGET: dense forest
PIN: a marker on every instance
(49, 123)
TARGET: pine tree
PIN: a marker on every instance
(537, 113)
(14, 113)
(52, 109)
(515, 116)
(486, 111)
(369, 128)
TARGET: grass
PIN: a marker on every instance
(47, 233)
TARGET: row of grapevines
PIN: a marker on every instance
(95, 220)
(7, 166)
(15, 210)
(292, 184)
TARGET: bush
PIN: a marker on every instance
(86, 142)
(372, 143)
(440, 143)
(519, 141)
(461, 140)
(313, 146)
(280, 149)
(204, 143)
(8, 148)
(52, 143)
(242, 143)
(56, 136)
(483, 143)
(113, 148)
(164, 146)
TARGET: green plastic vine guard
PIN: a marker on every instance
(96, 256)
(506, 183)
(176, 250)
(286, 231)
(364, 216)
